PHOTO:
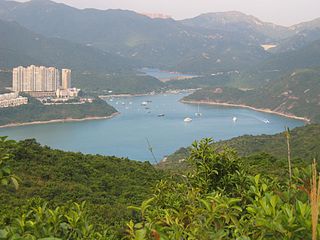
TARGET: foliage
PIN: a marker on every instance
(254, 207)
(6, 174)
(108, 184)
(263, 153)
(41, 222)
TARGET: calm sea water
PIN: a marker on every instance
(127, 135)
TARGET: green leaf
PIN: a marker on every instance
(3, 234)
(15, 183)
(50, 238)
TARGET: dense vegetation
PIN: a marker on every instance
(220, 196)
(210, 192)
(36, 111)
(264, 153)
(219, 199)
(52, 178)
(130, 83)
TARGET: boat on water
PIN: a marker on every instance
(234, 119)
(144, 103)
(161, 115)
(198, 114)
(266, 121)
(186, 120)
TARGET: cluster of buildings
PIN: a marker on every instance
(12, 100)
(40, 81)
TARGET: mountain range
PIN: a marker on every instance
(113, 41)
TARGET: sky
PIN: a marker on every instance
(283, 12)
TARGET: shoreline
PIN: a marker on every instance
(124, 95)
(287, 115)
(11, 125)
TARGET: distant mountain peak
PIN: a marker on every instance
(230, 17)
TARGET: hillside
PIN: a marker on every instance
(265, 152)
(294, 94)
(163, 43)
(19, 46)
(108, 184)
(92, 69)
(305, 57)
(35, 111)
(235, 21)
(219, 194)
(131, 83)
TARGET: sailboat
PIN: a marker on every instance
(198, 114)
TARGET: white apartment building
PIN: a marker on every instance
(39, 79)
(66, 79)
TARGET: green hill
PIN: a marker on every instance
(295, 94)
(36, 111)
(108, 184)
(267, 153)
(162, 43)
(19, 46)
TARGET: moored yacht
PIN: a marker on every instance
(187, 120)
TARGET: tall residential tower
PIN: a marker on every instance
(36, 79)
(66, 79)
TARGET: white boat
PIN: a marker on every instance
(234, 119)
(144, 103)
(187, 120)
(266, 121)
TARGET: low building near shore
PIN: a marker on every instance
(12, 100)
(67, 93)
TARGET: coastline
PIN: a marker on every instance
(123, 95)
(288, 115)
(10, 125)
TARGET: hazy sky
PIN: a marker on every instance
(285, 12)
